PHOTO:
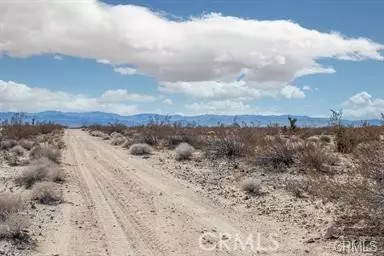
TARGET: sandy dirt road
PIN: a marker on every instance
(118, 204)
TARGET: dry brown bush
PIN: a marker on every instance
(140, 149)
(46, 193)
(40, 170)
(314, 157)
(45, 151)
(279, 154)
(9, 204)
(14, 227)
(27, 144)
(7, 144)
(18, 150)
(251, 186)
(184, 151)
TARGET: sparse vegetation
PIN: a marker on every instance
(45, 151)
(140, 149)
(251, 186)
(46, 193)
(184, 151)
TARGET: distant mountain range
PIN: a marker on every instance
(87, 118)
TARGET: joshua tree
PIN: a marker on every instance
(292, 123)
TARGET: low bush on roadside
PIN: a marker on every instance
(278, 155)
(118, 140)
(41, 170)
(45, 151)
(184, 151)
(227, 146)
(251, 186)
(12, 224)
(314, 157)
(140, 149)
(46, 193)
(9, 204)
(297, 188)
(27, 144)
(18, 150)
(7, 144)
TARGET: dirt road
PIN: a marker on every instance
(118, 204)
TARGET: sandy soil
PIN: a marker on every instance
(119, 204)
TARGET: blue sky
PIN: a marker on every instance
(193, 57)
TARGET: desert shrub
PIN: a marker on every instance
(117, 140)
(46, 193)
(325, 138)
(251, 186)
(40, 170)
(140, 149)
(18, 150)
(296, 187)
(45, 151)
(7, 144)
(14, 227)
(184, 151)
(27, 144)
(314, 157)
(278, 155)
(11, 159)
(370, 156)
(172, 141)
(227, 146)
(9, 204)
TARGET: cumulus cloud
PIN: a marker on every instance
(103, 61)
(58, 57)
(126, 71)
(211, 89)
(363, 106)
(168, 102)
(307, 88)
(179, 53)
(20, 97)
(225, 107)
(292, 92)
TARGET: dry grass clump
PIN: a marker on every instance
(41, 170)
(12, 224)
(184, 151)
(18, 150)
(140, 149)
(297, 188)
(314, 157)
(45, 151)
(27, 144)
(251, 186)
(7, 144)
(46, 193)
(9, 203)
(278, 155)
(118, 140)
(230, 146)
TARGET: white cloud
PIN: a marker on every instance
(292, 92)
(211, 89)
(168, 102)
(58, 57)
(226, 107)
(122, 95)
(363, 106)
(103, 61)
(127, 71)
(20, 97)
(307, 88)
(200, 49)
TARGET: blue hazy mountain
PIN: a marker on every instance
(77, 119)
